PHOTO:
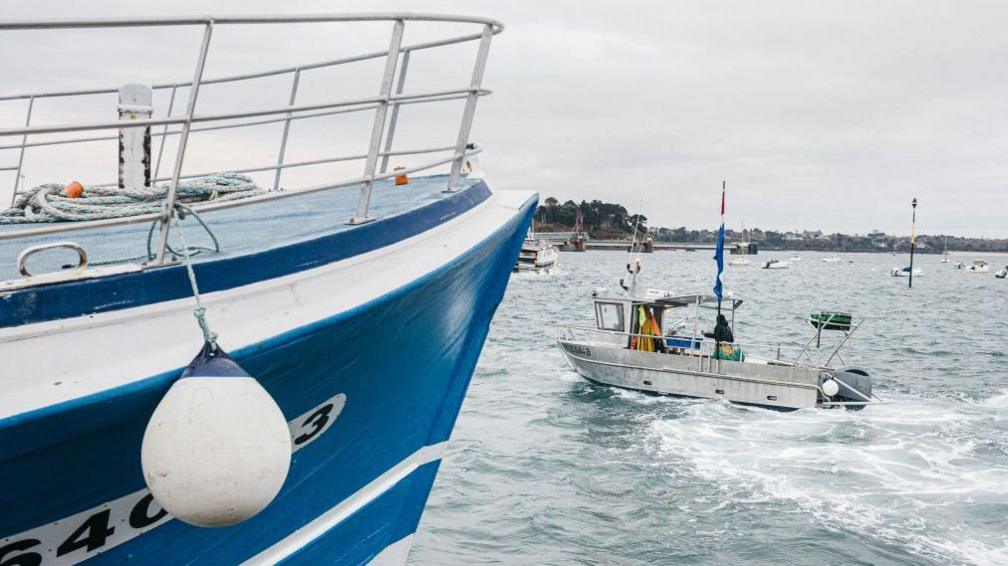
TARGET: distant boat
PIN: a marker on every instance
(979, 266)
(1003, 273)
(795, 258)
(740, 261)
(536, 255)
(945, 258)
(775, 264)
(834, 259)
(905, 271)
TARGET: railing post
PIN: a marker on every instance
(24, 140)
(395, 112)
(164, 134)
(286, 130)
(379, 125)
(470, 106)
(169, 210)
(135, 102)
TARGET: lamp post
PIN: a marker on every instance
(913, 237)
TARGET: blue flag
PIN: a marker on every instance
(719, 258)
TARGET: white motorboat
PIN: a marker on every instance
(657, 343)
(1003, 273)
(740, 261)
(536, 255)
(978, 266)
(834, 259)
(905, 271)
(775, 264)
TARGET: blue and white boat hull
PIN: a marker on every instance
(368, 356)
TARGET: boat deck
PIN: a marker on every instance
(239, 230)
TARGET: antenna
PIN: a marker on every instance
(633, 240)
(633, 270)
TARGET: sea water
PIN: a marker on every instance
(547, 468)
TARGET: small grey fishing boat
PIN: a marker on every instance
(655, 342)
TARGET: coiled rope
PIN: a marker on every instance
(46, 203)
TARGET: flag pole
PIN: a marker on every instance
(719, 259)
(721, 245)
(913, 238)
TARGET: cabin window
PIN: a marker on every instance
(610, 316)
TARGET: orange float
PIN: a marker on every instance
(401, 179)
(73, 190)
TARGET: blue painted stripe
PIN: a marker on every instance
(115, 292)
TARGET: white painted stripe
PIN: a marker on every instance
(395, 553)
(300, 538)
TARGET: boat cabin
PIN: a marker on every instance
(661, 322)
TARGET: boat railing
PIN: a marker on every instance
(705, 348)
(385, 105)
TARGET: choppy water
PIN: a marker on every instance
(547, 468)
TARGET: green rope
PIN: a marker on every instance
(209, 336)
(192, 251)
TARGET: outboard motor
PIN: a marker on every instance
(847, 384)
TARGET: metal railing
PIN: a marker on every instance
(385, 104)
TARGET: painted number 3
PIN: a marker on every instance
(310, 425)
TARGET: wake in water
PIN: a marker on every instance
(540, 275)
(928, 476)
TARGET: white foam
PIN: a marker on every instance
(999, 401)
(871, 472)
(539, 275)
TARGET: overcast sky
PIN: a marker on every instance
(819, 115)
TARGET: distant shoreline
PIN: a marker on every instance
(610, 221)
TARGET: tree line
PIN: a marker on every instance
(606, 221)
(602, 220)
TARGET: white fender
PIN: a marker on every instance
(830, 387)
(217, 448)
